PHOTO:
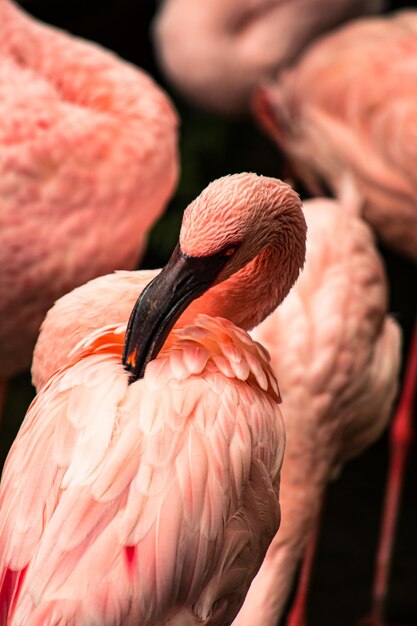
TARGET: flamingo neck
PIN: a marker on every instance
(254, 292)
(250, 295)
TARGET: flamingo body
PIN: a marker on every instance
(234, 46)
(345, 114)
(337, 353)
(152, 500)
(149, 502)
(87, 163)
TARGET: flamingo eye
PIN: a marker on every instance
(230, 251)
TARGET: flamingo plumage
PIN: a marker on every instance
(344, 114)
(235, 45)
(150, 495)
(88, 162)
(337, 354)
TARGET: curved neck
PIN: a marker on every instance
(254, 292)
(250, 295)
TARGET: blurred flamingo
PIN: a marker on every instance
(87, 163)
(345, 115)
(217, 51)
(337, 354)
(154, 502)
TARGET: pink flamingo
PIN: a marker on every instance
(88, 161)
(337, 353)
(154, 502)
(217, 51)
(345, 114)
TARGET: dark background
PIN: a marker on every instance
(212, 146)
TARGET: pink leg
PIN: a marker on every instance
(298, 613)
(400, 440)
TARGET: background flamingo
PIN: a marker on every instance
(87, 163)
(337, 353)
(217, 52)
(345, 114)
(155, 501)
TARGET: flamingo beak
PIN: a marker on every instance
(182, 280)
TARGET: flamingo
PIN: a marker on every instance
(337, 354)
(345, 116)
(88, 161)
(142, 487)
(216, 52)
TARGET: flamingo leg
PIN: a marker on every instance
(298, 613)
(400, 441)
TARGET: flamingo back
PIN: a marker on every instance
(145, 503)
(88, 161)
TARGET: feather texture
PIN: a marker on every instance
(159, 492)
(337, 353)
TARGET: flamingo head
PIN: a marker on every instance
(223, 230)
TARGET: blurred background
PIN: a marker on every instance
(212, 146)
